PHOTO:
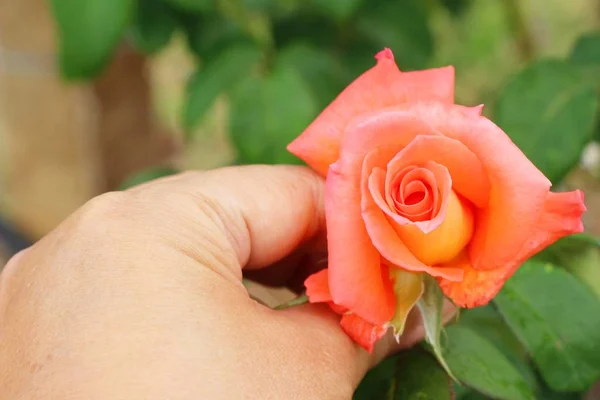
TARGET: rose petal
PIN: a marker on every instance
(421, 210)
(362, 332)
(317, 287)
(381, 86)
(377, 186)
(477, 110)
(338, 309)
(355, 275)
(380, 231)
(414, 182)
(561, 216)
(469, 178)
(518, 188)
(445, 242)
(477, 287)
(392, 191)
(518, 191)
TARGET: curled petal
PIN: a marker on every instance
(355, 274)
(561, 216)
(317, 287)
(518, 189)
(393, 249)
(444, 243)
(469, 178)
(381, 86)
(420, 210)
(380, 231)
(362, 332)
(477, 287)
(434, 241)
(438, 180)
(376, 187)
(477, 110)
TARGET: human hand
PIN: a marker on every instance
(139, 295)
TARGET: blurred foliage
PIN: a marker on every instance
(278, 63)
(565, 107)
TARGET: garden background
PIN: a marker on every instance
(99, 95)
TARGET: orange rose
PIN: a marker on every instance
(416, 183)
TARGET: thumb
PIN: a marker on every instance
(259, 213)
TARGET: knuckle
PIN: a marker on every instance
(101, 211)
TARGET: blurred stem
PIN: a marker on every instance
(292, 303)
(520, 28)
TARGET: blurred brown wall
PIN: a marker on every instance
(64, 143)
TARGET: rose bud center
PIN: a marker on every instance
(432, 220)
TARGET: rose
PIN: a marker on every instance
(415, 183)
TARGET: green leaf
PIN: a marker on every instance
(580, 255)
(420, 377)
(147, 175)
(430, 305)
(192, 6)
(587, 50)
(218, 75)
(339, 10)
(378, 381)
(466, 393)
(308, 27)
(548, 110)
(480, 365)
(154, 25)
(412, 374)
(402, 26)
(487, 322)
(557, 318)
(318, 67)
(456, 7)
(89, 31)
(209, 33)
(408, 288)
(267, 114)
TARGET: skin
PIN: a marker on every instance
(138, 295)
